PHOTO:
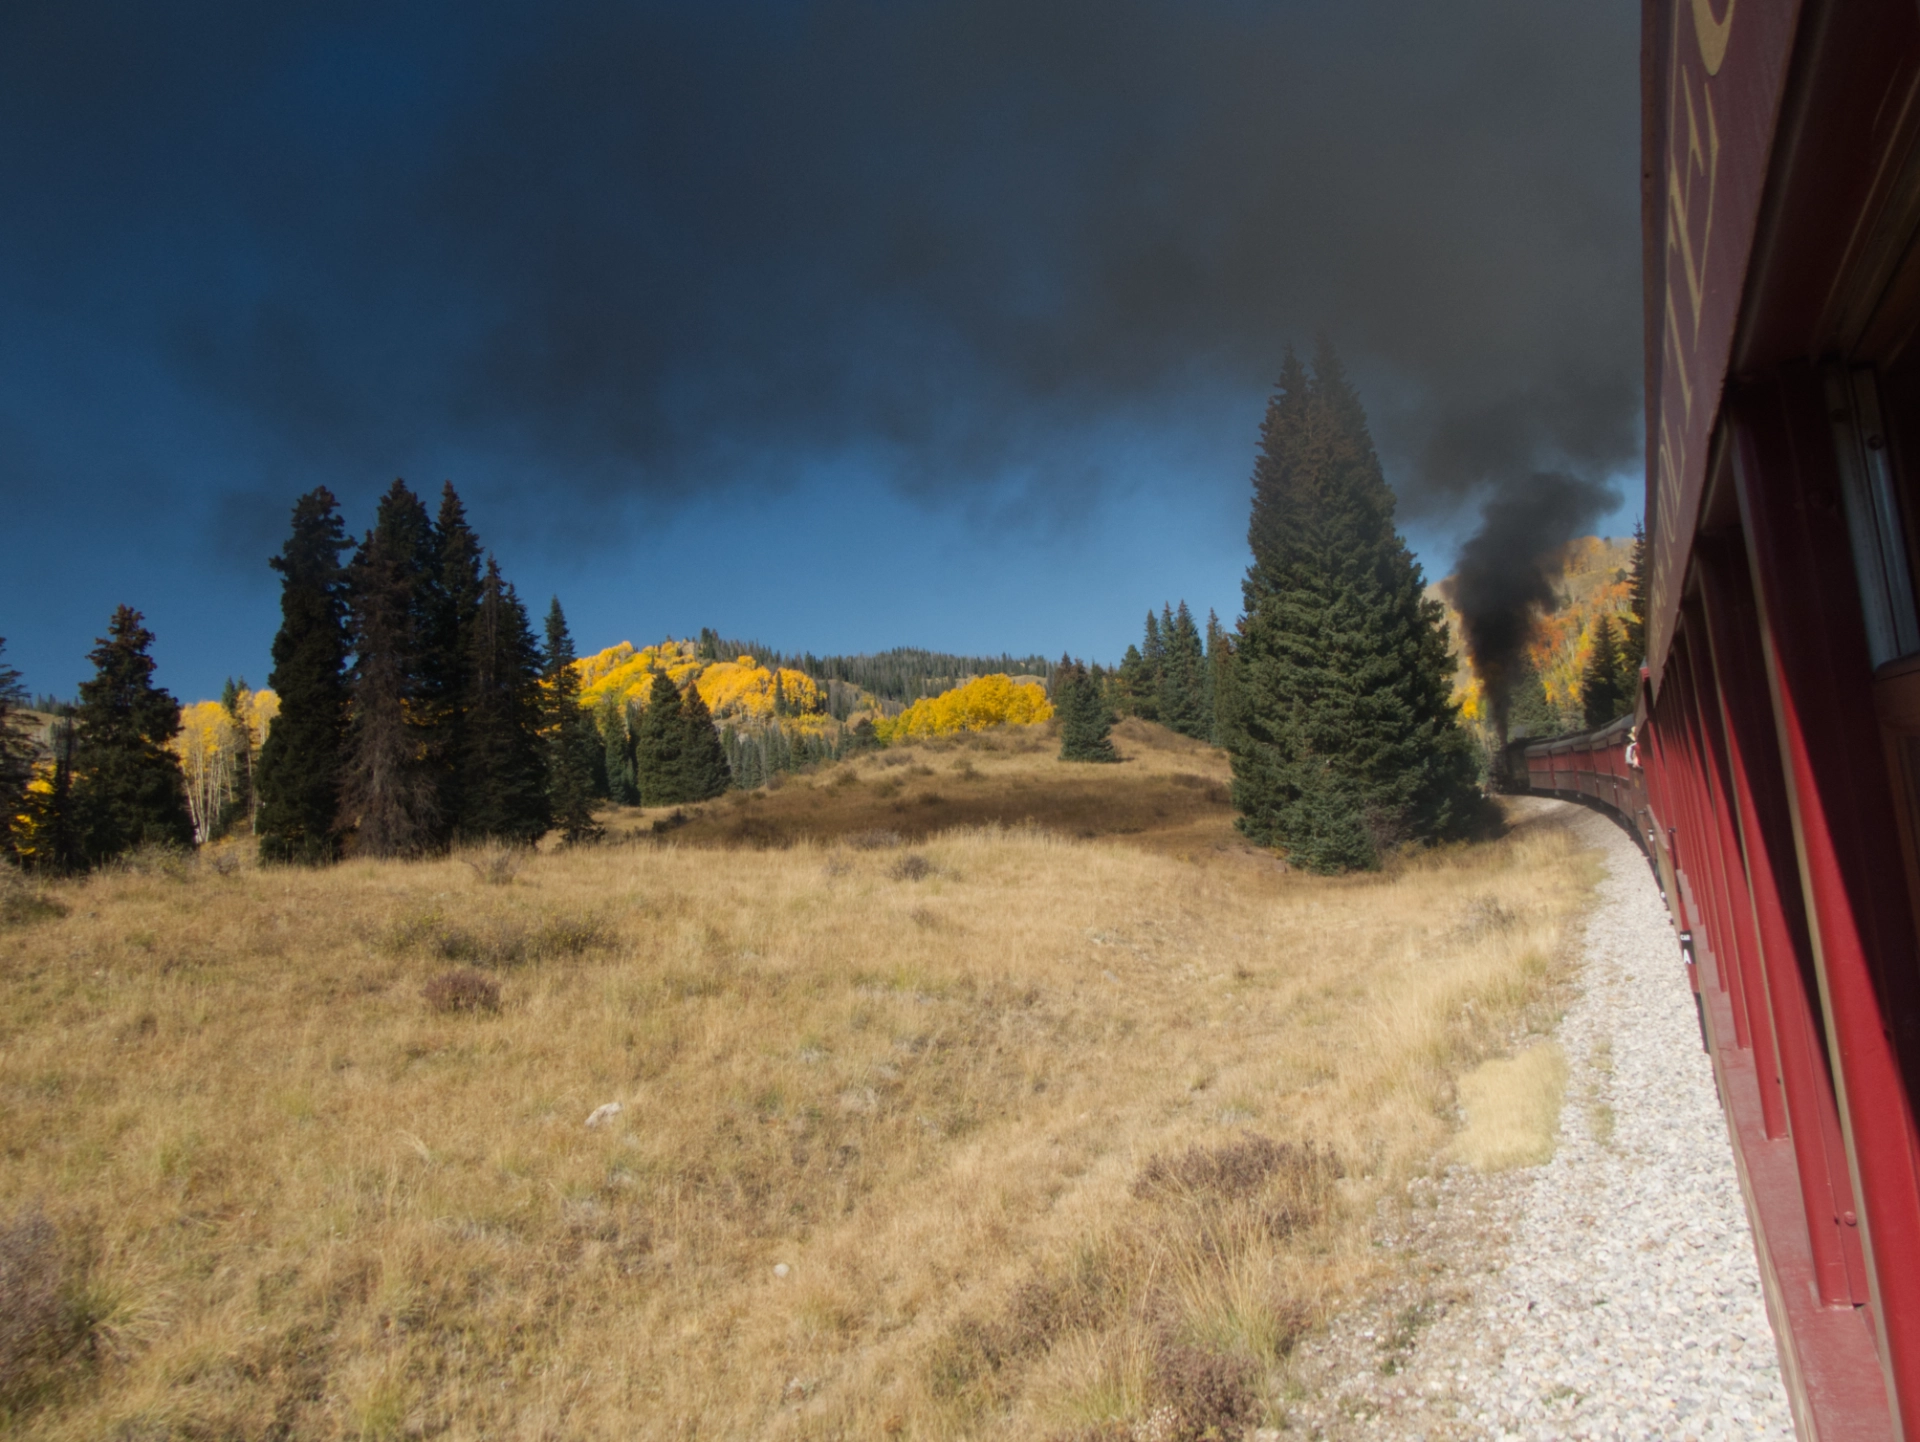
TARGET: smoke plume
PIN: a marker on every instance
(1505, 577)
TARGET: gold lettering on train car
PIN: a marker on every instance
(1712, 34)
(1699, 162)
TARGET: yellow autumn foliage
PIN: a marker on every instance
(981, 703)
(738, 690)
(217, 748)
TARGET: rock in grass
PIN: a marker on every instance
(602, 1114)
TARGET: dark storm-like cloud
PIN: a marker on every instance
(652, 248)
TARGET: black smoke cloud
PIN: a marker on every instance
(1506, 572)
(649, 249)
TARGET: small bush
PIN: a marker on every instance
(495, 865)
(1274, 1187)
(21, 903)
(462, 990)
(1202, 1395)
(41, 1327)
(875, 840)
(911, 867)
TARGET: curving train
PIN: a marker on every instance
(1772, 765)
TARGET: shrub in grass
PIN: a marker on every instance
(43, 1327)
(462, 990)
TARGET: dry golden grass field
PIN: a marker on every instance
(1040, 1110)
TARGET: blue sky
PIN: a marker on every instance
(835, 325)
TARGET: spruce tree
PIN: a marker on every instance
(297, 779)
(703, 772)
(616, 736)
(503, 766)
(128, 789)
(1633, 651)
(1146, 703)
(1344, 739)
(1600, 692)
(389, 792)
(572, 745)
(16, 747)
(450, 606)
(1182, 701)
(1216, 642)
(658, 742)
(1086, 722)
(1130, 683)
(1529, 713)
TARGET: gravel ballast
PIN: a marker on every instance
(1612, 1292)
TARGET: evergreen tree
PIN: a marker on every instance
(389, 792)
(616, 735)
(1146, 702)
(1529, 713)
(128, 789)
(1216, 657)
(1086, 722)
(1182, 700)
(703, 771)
(1600, 692)
(297, 779)
(16, 748)
(503, 780)
(1131, 683)
(51, 824)
(1344, 739)
(1222, 676)
(450, 607)
(1633, 651)
(572, 745)
(657, 744)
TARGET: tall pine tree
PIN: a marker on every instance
(1219, 658)
(1601, 696)
(503, 766)
(1182, 699)
(658, 743)
(1086, 720)
(616, 736)
(1131, 684)
(128, 788)
(389, 792)
(703, 772)
(572, 743)
(16, 749)
(1344, 741)
(1633, 651)
(450, 605)
(297, 780)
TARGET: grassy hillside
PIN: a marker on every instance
(1037, 1110)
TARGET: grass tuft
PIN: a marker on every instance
(1512, 1108)
(462, 990)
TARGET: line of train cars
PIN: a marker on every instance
(1772, 766)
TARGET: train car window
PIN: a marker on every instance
(1872, 508)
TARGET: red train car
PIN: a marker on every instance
(1776, 769)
